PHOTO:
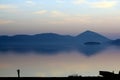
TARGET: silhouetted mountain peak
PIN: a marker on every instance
(88, 32)
(90, 36)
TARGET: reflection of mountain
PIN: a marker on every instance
(87, 42)
(54, 49)
(91, 49)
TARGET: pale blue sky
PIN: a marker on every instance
(59, 16)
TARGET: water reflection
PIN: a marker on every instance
(62, 64)
(90, 50)
(58, 60)
(87, 50)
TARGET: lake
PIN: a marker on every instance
(60, 62)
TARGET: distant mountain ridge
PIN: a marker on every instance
(53, 39)
(88, 42)
(87, 36)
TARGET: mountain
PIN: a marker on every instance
(52, 38)
(88, 42)
(90, 36)
(116, 42)
(38, 39)
(92, 43)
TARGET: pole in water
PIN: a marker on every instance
(18, 72)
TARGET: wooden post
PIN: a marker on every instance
(18, 72)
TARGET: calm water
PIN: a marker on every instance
(59, 62)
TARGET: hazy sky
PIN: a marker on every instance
(59, 16)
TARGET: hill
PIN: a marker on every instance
(90, 36)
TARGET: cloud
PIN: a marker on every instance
(40, 12)
(6, 21)
(30, 3)
(53, 13)
(9, 8)
(58, 14)
(3, 7)
(103, 4)
(78, 1)
(78, 19)
(60, 1)
(97, 4)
